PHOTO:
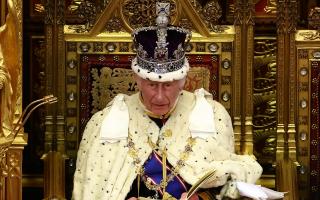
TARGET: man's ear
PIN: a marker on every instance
(182, 82)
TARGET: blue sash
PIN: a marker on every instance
(153, 171)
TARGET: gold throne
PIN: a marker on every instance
(98, 57)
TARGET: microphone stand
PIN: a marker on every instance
(6, 142)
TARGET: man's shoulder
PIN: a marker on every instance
(98, 116)
(187, 96)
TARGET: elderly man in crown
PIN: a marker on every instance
(158, 143)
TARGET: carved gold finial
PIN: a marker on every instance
(314, 18)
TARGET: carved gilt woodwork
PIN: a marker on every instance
(265, 10)
(286, 158)
(271, 7)
(54, 139)
(11, 144)
(308, 74)
(264, 101)
(313, 18)
(243, 68)
(10, 69)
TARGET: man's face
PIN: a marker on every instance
(159, 97)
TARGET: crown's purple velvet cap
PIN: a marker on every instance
(148, 39)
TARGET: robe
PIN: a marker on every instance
(106, 170)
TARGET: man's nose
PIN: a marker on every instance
(160, 93)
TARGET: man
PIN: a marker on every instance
(160, 141)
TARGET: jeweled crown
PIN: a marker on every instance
(161, 49)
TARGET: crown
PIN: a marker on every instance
(161, 49)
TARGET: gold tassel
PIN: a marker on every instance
(164, 170)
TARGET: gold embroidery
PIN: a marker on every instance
(167, 196)
(167, 133)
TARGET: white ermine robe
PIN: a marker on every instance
(106, 170)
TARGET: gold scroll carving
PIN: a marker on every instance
(271, 7)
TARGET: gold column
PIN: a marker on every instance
(248, 80)
(54, 164)
(54, 159)
(286, 162)
(243, 76)
(236, 71)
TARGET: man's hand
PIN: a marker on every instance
(132, 198)
(184, 197)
